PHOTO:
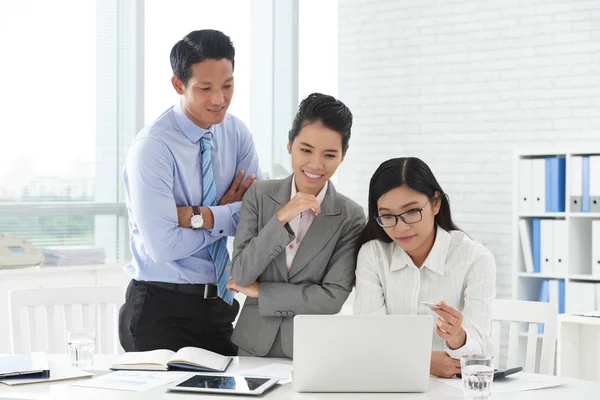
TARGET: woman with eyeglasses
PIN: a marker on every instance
(411, 252)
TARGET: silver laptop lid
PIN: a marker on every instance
(343, 353)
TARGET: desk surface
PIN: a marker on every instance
(575, 389)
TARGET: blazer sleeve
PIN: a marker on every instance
(254, 249)
(479, 291)
(326, 297)
(370, 298)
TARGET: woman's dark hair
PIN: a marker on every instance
(414, 173)
(198, 46)
(328, 110)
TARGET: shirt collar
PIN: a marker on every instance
(436, 259)
(320, 196)
(192, 131)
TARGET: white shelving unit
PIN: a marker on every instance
(527, 285)
(578, 347)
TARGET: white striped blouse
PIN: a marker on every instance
(458, 270)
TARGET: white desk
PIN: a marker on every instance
(576, 389)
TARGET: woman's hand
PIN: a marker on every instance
(249, 291)
(301, 202)
(442, 365)
(449, 325)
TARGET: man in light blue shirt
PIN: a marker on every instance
(184, 180)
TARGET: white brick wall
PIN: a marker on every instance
(461, 84)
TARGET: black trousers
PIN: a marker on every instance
(156, 318)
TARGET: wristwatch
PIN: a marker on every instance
(197, 220)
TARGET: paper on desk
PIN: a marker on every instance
(281, 371)
(136, 381)
(518, 382)
(59, 371)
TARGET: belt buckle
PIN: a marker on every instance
(206, 294)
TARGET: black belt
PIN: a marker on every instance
(207, 291)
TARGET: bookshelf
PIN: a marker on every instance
(571, 273)
(573, 265)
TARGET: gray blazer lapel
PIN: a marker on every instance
(271, 205)
(319, 233)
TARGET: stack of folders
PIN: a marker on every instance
(73, 255)
(585, 183)
(542, 185)
(544, 243)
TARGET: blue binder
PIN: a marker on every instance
(545, 298)
(555, 184)
(560, 181)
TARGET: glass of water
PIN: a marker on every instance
(81, 343)
(477, 375)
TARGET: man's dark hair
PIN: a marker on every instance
(329, 111)
(198, 46)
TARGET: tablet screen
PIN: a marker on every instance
(223, 382)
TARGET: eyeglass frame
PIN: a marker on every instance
(401, 216)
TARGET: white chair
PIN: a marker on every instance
(532, 313)
(39, 317)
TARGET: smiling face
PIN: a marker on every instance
(316, 154)
(417, 238)
(207, 95)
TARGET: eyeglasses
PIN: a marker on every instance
(409, 217)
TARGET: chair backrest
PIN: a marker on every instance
(39, 317)
(520, 313)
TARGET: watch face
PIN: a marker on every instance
(197, 221)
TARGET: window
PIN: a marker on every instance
(58, 160)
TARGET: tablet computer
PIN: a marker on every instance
(224, 384)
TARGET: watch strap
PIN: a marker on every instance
(196, 210)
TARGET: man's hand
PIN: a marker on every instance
(449, 325)
(250, 291)
(237, 189)
(442, 365)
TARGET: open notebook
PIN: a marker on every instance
(191, 358)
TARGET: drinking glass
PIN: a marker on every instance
(477, 375)
(81, 343)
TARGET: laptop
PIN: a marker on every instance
(355, 353)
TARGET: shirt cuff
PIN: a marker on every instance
(222, 219)
(470, 347)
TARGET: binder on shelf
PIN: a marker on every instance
(555, 184)
(560, 247)
(557, 294)
(544, 297)
(585, 184)
(525, 239)
(594, 183)
(524, 176)
(538, 185)
(547, 246)
(596, 248)
(560, 180)
(535, 240)
(575, 181)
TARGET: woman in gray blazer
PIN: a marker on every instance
(294, 247)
